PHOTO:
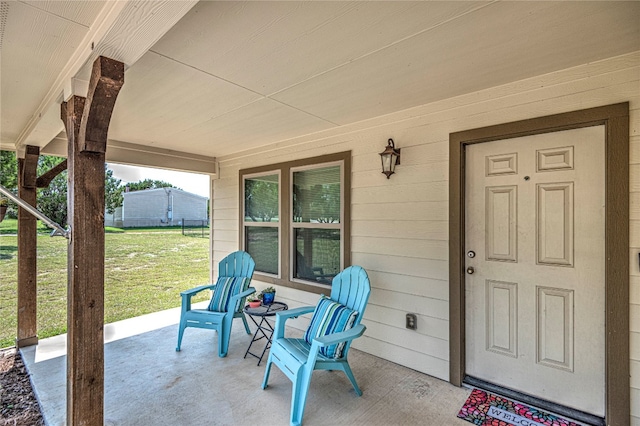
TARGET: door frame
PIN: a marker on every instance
(615, 118)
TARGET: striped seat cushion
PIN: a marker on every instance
(226, 287)
(330, 317)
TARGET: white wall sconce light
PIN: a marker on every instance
(390, 158)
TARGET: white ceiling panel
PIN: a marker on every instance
(259, 123)
(162, 97)
(82, 12)
(35, 46)
(269, 46)
(500, 43)
(50, 124)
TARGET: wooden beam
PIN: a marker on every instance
(146, 156)
(87, 122)
(107, 78)
(44, 180)
(27, 250)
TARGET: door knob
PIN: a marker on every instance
(470, 270)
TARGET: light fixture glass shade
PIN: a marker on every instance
(390, 158)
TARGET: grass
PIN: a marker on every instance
(10, 226)
(145, 270)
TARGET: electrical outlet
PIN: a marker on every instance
(412, 322)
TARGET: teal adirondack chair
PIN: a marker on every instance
(229, 293)
(324, 347)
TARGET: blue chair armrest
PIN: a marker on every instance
(237, 299)
(295, 312)
(283, 316)
(343, 336)
(331, 339)
(188, 294)
(240, 296)
(196, 290)
(247, 292)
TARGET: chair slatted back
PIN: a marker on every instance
(237, 264)
(351, 288)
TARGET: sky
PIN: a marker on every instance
(190, 182)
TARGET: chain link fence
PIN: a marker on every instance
(195, 228)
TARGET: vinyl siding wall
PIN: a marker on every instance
(150, 207)
(400, 226)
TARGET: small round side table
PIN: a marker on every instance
(264, 330)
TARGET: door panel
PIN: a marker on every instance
(555, 327)
(555, 223)
(502, 318)
(535, 301)
(501, 223)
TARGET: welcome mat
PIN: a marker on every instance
(486, 409)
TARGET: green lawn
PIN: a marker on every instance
(144, 272)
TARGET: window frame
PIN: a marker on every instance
(304, 225)
(286, 225)
(277, 225)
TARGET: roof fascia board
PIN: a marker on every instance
(145, 156)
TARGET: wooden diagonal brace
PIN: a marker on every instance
(106, 81)
(44, 180)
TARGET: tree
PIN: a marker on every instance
(261, 199)
(9, 178)
(149, 184)
(113, 197)
(9, 170)
(52, 200)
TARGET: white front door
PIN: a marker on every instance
(535, 241)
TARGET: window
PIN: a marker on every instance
(262, 221)
(316, 223)
(295, 220)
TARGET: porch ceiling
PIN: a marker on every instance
(233, 76)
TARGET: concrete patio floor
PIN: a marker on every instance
(148, 383)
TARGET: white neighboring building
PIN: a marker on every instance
(159, 207)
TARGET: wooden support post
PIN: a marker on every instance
(27, 250)
(87, 122)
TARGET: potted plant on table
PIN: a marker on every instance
(254, 300)
(267, 295)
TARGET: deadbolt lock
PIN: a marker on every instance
(471, 254)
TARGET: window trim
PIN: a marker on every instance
(285, 243)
